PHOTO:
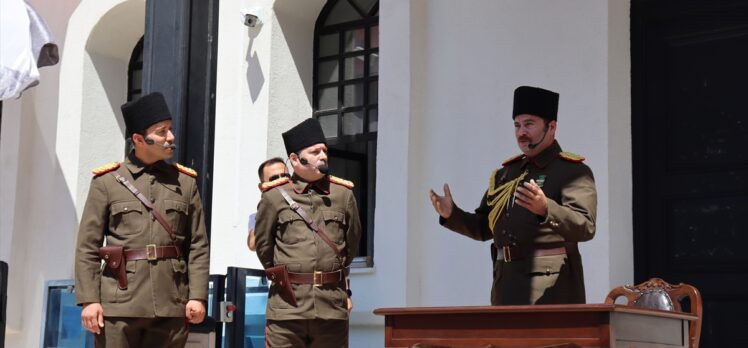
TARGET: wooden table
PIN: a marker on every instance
(580, 325)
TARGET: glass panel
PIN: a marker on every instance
(353, 123)
(374, 37)
(374, 92)
(256, 299)
(354, 40)
(373, 120)
(137, 79)
(62, 325)
(354, 67)
(365, 5)
(342, 12)
(353, 95)
(328, 45)
(328, 98)
(328, 71)
(374, 64)
(329, 125)
(211, 293)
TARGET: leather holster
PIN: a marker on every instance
(279, 276)
(114, 257)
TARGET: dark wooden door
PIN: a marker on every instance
(690, 154)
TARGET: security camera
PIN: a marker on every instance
(251, 20)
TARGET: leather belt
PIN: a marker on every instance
(152, 252)
(318, 278)
(519, 252)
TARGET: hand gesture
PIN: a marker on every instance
(442, 204)
(532, 198)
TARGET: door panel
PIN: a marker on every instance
(690, 125)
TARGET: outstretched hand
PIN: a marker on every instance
(442, 204)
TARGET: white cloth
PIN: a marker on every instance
(25, 45)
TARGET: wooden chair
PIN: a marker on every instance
(659, 294)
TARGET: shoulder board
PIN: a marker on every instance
(571, 157)
(275, 183)
(512, 160)
(189, 171)
(341, 182)
(105, 168)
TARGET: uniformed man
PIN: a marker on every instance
(537, 207)
(166, 278)
(269, 170)
(316, 261)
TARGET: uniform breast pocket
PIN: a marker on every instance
(292, 228)
(335, 225)
(176, 212)
(126, 217)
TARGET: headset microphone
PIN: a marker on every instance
(545, 131)
(150, 141)
(322, 167)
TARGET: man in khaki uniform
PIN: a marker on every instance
(537, 207)
(316, 273)
(167, 280)
(269, 170)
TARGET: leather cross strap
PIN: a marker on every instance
(151, 208)
(297, 208)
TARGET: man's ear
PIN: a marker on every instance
(137, 139)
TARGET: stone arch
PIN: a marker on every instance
(93, 85)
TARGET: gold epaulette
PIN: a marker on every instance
(341, 182)
(189, 171)
(105, 168)
(275, 183)
(513, 159)
(571, 157)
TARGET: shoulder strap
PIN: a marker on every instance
(152, 209)
(297, 208)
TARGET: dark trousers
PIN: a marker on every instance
(121, 332)
(313, 333)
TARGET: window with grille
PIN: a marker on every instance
(345, 100)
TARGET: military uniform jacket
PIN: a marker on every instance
(284, 238)
(572, 203)
(159, 288)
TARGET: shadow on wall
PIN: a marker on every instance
(255, 76)
(296, 21)
(43, 232)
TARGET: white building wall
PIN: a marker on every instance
(59, 130)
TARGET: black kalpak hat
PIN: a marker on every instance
(303, 135)
(141, 113)
(535, 101)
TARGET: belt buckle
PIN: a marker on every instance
(150, 252)
(315, 281)
(507, 253)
